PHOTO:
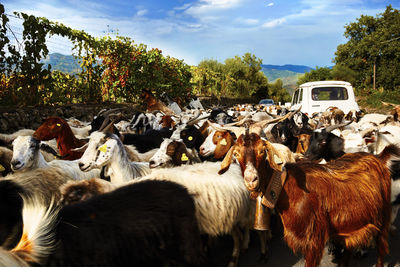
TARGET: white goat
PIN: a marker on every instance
(27, 157)
(106, 149)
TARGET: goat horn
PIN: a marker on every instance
(81, 149)
(272, 115)
(104, 124)
(108, 112)
(263, 123)
(109, 128)
(216, 126)
(241, 122)
(388, 104)
(294, 112)
(194, 120)
(101, 112)
(333, 127)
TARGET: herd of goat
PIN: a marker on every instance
(147, 191)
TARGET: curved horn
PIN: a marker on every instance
(108, 112)
(81, 149)
(272, 115)
(294, 112)
(333, 127)
(263, 123)
(216, 126)
(241, 122)
(101, 112)
(109, 128)
(104, 124)
(194, 120)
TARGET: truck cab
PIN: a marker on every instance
(319, 96)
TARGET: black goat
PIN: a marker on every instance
(140, 123)
(286, 132)
(99, 120)
(220, 116)
(325, 145)
(192, 137)
(148, 223)
(149, 140)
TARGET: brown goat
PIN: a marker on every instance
(396, 113)
(58, 128)
(167, 122)
(154, 104)
(346, 201)
(303, 143)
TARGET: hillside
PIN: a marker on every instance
(289, 74)
(64, 63)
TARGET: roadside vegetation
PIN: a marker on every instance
(116, 69)
(370, 60)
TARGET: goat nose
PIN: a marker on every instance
(80, 164)
(15, 163)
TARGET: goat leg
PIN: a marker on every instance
(237, 238)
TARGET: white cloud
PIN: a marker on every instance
(270, 4)
(250, 22)
(141, 12)
(274, 23)
(185, 6)
(207, 6)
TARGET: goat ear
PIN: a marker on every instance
(273, 158)
(223, 146)
(227, 161)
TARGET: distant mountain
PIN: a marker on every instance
(64, 63)
(294, 68)
(289, 74)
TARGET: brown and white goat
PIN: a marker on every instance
(346, 200)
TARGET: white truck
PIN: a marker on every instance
(318, 96)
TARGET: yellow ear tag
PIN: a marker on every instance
(277, 160)
(190, 138)
(2, 168)
(103, 148)
(58, 124)
(223, 142)
(184, 157)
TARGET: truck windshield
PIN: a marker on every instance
(329, 93)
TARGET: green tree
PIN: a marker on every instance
(319, 74)
(373, 41)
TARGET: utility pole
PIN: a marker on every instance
(374, 79)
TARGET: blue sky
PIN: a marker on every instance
(301, 32)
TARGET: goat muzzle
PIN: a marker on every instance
(251, 179)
